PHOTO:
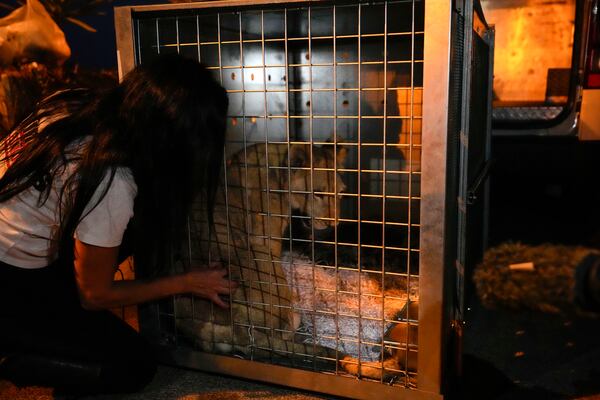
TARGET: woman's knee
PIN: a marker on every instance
(130, 363)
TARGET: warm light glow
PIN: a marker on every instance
(531, 37)
(129, 313)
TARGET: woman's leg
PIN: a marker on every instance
(48, 339)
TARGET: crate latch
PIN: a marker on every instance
(481, 177)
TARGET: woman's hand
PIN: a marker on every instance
(209, 282)
(94, 273)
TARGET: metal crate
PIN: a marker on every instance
(385, 86)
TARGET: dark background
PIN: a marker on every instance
(97, 50)
(88, 49)
(543, 190)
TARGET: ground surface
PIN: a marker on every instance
(529, 355)
(176, 384)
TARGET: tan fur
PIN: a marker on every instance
(400, 334)
(371, 369)
(249, 222)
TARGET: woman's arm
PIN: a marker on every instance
(94, 273)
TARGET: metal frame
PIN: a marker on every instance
(435, 271)
(489, 35)
(433, 319)
(292, 377)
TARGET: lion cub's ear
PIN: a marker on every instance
(342, 154)
(298, 156)
(342, 151)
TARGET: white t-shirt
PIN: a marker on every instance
(26, 229)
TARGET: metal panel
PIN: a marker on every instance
(477, 162)
(589, 118)
(124, 35)
(433, 204)
(490, 38)
(322, 383)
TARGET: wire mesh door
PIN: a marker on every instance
(318, 217)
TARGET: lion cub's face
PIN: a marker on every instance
(319, 200)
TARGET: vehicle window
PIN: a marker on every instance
(533, 55)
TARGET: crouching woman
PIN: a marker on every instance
(72, 183)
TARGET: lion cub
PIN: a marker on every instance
(261, 185)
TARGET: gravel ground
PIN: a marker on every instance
(174, 383)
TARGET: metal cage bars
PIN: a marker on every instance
(310, 117)
(310, 90)
(432, 317)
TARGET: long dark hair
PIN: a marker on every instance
(165, 122)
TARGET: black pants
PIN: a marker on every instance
(47, 338)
